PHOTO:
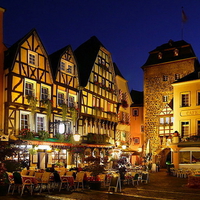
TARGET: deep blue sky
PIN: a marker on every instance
(129, 29)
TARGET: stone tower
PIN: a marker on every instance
(165, 64)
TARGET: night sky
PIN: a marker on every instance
(129, 29)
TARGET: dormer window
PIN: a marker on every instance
(176, 52)
(66, 67)
(159, 55)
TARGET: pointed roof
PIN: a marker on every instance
(167, 50)
(11, 53)
(86, 55)
(55, 59)
(137, 98)
(117, 71)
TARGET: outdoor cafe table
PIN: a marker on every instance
(69, 178)
(32, 178)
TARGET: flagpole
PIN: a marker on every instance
(184, 20)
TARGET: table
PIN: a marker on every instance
(69, 178)
(31, 178)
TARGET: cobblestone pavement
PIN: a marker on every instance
(161, 187)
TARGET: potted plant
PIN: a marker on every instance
(96, 168)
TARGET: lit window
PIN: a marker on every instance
(95, 78)
(167, 120)
(103, 62)
(61, 98)
(177, 76)
(71, 101)
(41, 122)
(32, 58)
(185, 129)
(99, 60)
(135, 112)
(66, 67)
(176, 52)
(165, 98)
(161, 120)
(24, 121)
(29, 88)
(165, 78)
(103, 81)
(44, 93)
(185, 99)
(159, 55)
(62, 66)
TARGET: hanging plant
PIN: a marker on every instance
(73, 112)
(124, 104)
(64, 111)
(43, 135)
(32, 102)
(47, 103)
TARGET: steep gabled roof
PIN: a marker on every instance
(117, 71)
(11, 53)
(184, 51)
(85, 55)
(137, 98)
(56, 57)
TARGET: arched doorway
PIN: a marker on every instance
(163, 157)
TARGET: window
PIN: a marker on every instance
(67, 126)
(188, 157)
(185, 99)
(185, 129)
(71, 101)
(176, 52)
(44, 93)
(96, 102)
(70, 69)
(103, 81)
(198, 128)
(32, 58)
(177, 76)
(161, 120)
(61, 97)
(41, 122)
(24, 120)
(66, 67)
(165, 78)
(135, 112)
(159, 55)
(29, 87)
(165, 98)
(198, 98)
(95, 78)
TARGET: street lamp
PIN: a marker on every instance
(77, 137)
(61, 128)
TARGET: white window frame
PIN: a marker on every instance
(49, 91)
(32, 53)
(186, 121)
(182, 103)
(26, 80)
(70, 102)
(66, 67)
(63, 92)
(45, 121)
(29, 122)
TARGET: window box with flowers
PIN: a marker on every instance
(43, 135)
(124, 104)
(26, 134)
(47, 103)
(32, 102)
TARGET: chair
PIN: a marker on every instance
(24, 172)
(61, 181)
(145, 177)
(135, 179)
(38, 176)
(31, 172)
(45, 181)
(18, 183)
(79, 179)
(9, 180)
(103, 179)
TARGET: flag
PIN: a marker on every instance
(184, 17)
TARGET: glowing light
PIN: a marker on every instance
(61, 128)
(77, 137)
(123, 146)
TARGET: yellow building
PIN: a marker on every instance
(187, 121)
(123, 127)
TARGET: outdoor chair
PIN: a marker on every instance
(60, 181)
(45, 181)
(135, 179)
(145, 177)
(19, 184)
(79, 180)
(10, 181)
